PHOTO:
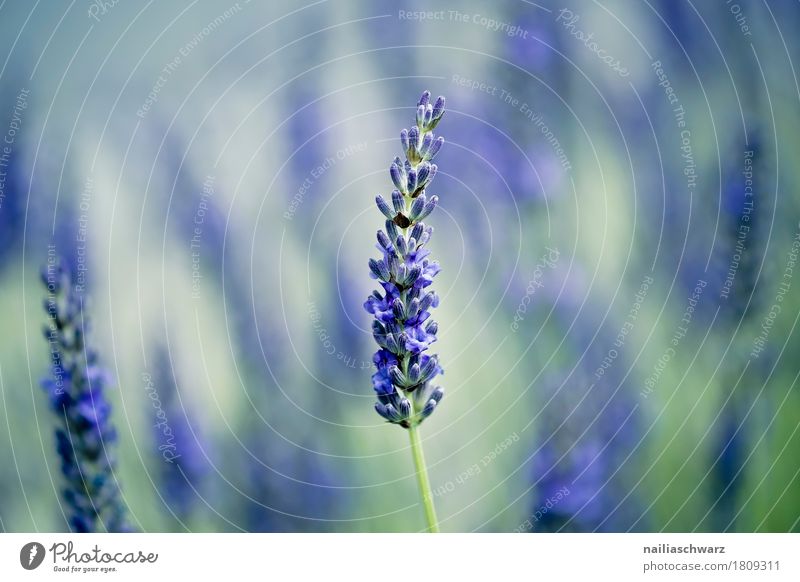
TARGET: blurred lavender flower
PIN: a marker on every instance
(402, 327)
(12, 211)
(288, 491)
(742, 251)
(184, 466)
(588, 430)
(86, 436)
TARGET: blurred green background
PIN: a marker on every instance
(217, 164)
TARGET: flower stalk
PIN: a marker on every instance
(422, 479)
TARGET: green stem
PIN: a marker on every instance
(422, 478)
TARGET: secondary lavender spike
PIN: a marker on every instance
(85, 435)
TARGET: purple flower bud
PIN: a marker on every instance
(384, 207)
(391, 229)
(391, 413)
(428, 207)
(428, 115)
(425, 98)
(421, 116)
(402, 248)
(427, 140)
(413, 137)
(397, 177)
(397, 377)
(398, 202)
(384, 241)
(426, 235)
(438, 108)
(427, 301)
(398, 309)
(413, 275)
(412, 181)
(428, 369)
(423, 171)
(413, 374)
(381, 409)
(394, 264)
(434, 149)
(417, 207)
(379, 269)
(430, 406)
(392, 344)
(404, 139)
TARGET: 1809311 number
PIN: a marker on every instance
(751, 565)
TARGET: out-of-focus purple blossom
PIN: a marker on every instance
(183, 466)
(85, 438)
(741, 249)
(587, 434)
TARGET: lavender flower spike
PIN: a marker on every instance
(85, 437)
(402, 328)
